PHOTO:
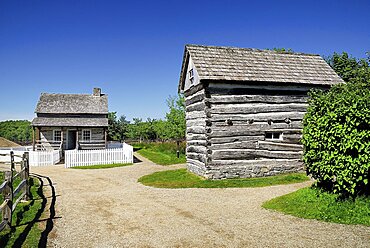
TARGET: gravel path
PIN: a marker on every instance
(108, 208)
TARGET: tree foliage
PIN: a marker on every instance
(19, 131)
(173, 127)
(336, 133)
(350, 69)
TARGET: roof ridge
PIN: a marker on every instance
(252, 49)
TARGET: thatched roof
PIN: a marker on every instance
(72, 104)
(70, 122)
(243, 64)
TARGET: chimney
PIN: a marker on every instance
(97, 92)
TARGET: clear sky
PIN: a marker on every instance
(133, 49)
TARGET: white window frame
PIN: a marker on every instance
(273, 135)
(82, 135)
(60, 131)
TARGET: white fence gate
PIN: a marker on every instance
(95, 157)
(42, 158)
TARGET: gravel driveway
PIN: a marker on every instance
(108, 208)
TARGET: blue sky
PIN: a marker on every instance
(133, 49)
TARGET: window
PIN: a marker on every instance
(191, 76)
(57, 135)
(273, 136)
(86, 135)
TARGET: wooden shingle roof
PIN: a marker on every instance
(70, 122)
(72, 104)
(243, 64)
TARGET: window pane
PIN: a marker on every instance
(57, 135)
(86, 135)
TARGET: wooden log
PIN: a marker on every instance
(278, 146)
(193, 90)
(195, 115)
(257, 99)
(196, 142)
(278, 116)
(258, 162)
(8, 196)
(237, 131)
(255, 108)
(247, 154)
(196, 130)
(260, 124)
(222, 140)
(197, 97)
(196, 149)
(236, 145)
(26, 176)
(196, 156)
(196, 122)
(195, 162)
(12, 164)
(192, 136)
(220, 88)
(199, 106)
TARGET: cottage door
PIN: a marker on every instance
(71, 139)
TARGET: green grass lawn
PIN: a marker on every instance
(100, 166)
(181, 178)
(162, 158)
(311, 203)
(25, 229)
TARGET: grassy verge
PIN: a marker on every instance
(163, 153)
(100, 166)
(25, 230)
(311, 203)
(161, 157)
(181, 178)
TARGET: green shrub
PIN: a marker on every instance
(336, 137)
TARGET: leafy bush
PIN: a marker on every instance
(336, 137)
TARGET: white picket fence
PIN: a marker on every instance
(37, 158)
(95, 157)
(43, 158)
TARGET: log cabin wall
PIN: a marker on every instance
(97, 140)
(230, 138)
(195, 130)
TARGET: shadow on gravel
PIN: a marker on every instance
(136, 160)
(49, 221)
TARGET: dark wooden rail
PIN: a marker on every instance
(10, 198)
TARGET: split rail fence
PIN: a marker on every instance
(94, 157)
(10, 193)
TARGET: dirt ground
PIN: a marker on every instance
(109, 208)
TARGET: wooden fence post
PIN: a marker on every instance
(12, 164)
(8, 195)
(25, 175)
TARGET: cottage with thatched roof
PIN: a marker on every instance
(71, 121)
(244, 108)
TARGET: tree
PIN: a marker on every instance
(117, 129)
(19, 131)
(176, 124)
(336, 130)
(350, 69)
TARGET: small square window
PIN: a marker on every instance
(273, 136)
(57, 135)
(86, 135)
(191, 75)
